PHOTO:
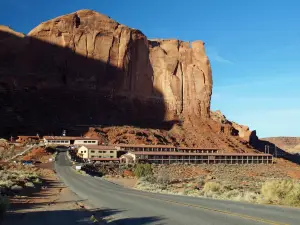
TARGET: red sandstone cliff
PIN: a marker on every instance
(175, 72)
(85, 69)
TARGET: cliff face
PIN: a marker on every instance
(85, 68)
(167, 70)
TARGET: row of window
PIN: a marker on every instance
(203, 157)
(93, 156)
(93, 151)
(169, 150)
(62, 141)
(58, 141)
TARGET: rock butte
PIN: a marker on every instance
(173, 71)
(85, 68)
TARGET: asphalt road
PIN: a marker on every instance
(151, 208)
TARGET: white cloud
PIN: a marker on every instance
(214, 55)
(220, 59)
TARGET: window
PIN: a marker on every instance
(93, 156)
(84, 141)
(81, 151)
(84, 151)
(93, 141)
(111, 151)
(111, 157)
(89, 142)
(92, 151)
(99, 151)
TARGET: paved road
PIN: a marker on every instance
(151, 208)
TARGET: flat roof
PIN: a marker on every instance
(145, 146)
(203, 154)
(104, 159)
(22, 136)
(69, 138)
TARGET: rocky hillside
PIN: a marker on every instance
(85, 69)
(288, 144)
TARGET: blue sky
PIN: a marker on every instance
(254, 48)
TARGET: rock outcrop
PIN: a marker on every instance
(86, 59)
(234, 128)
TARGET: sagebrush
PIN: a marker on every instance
(285, 192)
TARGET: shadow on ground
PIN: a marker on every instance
(80, 216)
(266, 146)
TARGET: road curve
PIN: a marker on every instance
(151, 208)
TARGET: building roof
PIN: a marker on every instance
(203, 154)
(68, 138)
(145, 146)
(22, 136)
(104, 159)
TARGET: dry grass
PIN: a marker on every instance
(212, 187)
(285, 192)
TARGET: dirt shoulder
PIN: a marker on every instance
(52, 203)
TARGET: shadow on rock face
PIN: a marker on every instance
(45, 88)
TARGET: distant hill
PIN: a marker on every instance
(288, 144)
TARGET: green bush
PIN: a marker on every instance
(285, 192)
(143, 170)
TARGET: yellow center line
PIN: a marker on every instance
(257, 219)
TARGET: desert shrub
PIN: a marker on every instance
(250, 197)
(149, 178)
(231, 194)
(4, 204)
(212, 187)
(29, 184)
(163, 177)
(281, 192)
(143, 170)
(37, 181)
(293, 197)
(6, 183)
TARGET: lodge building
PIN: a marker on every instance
(65, 140)
(196, 158)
